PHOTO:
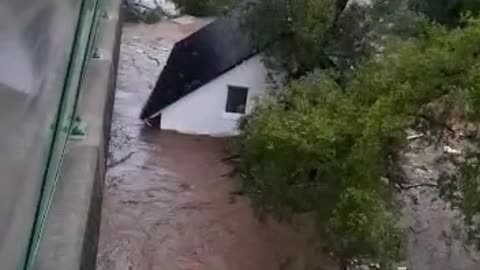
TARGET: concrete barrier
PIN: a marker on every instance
(71, 232)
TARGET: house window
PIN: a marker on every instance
(236, 99)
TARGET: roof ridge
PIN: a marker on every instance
(198, 59)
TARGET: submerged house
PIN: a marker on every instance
(212, 78)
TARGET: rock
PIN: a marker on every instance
(451, 151)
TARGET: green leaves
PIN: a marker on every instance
(324, 149)
(462, 190)
(369, 226)
(204, 7)
(446, 11)
(293, 33)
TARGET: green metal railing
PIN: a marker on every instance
(83, 50)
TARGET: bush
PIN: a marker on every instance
(325, 149)
(446, 11)
(146, 11)
(203, 7)
(463, 191)
(295, 32)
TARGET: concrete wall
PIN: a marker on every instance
(71, 230)
(203, 111)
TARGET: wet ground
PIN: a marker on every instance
(168, 204)
(434, 241)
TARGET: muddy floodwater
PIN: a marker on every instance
(168, 202)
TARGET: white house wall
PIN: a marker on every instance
(203, 111)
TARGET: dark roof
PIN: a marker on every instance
(198, 59)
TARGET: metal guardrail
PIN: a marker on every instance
(44, 47)
(82, 51)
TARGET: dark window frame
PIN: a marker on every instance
(237, 98)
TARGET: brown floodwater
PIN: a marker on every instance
(169, 203)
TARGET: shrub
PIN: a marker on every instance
(203, 7)
(321, 148)
(446, 11)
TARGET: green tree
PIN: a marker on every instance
(463, 191)
(324, 148)
(447, 12)
(300, 36)
(204, 7)
(294, 33)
